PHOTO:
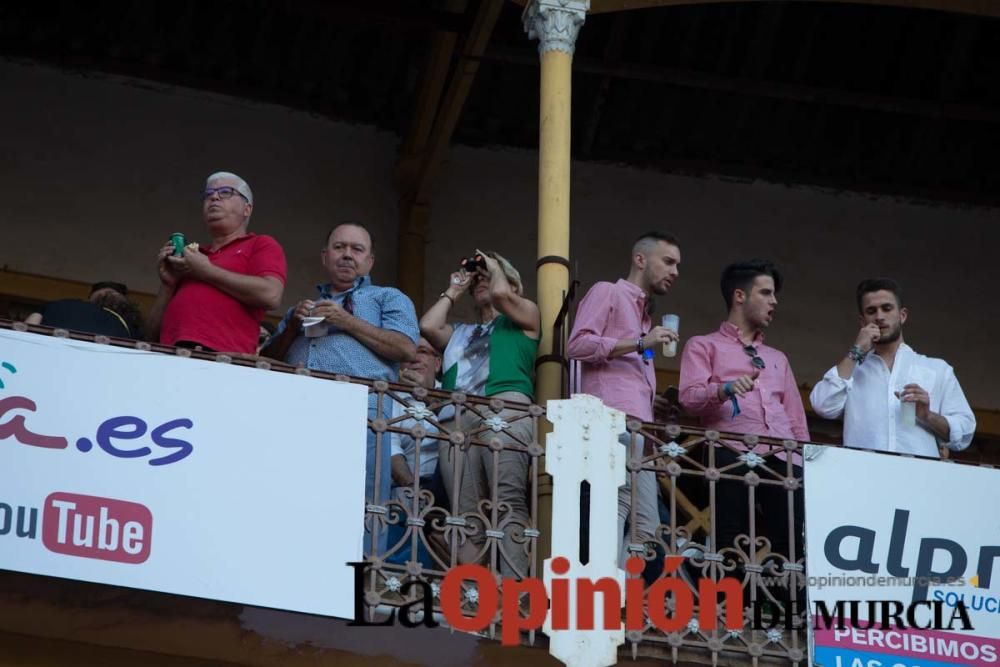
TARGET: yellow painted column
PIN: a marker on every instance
(555, 23)
(553, 207)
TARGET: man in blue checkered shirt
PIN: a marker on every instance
(352, 327)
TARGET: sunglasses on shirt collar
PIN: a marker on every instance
(755, 359)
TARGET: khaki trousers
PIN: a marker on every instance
(479, 468)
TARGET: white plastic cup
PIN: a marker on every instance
(672, 322)
(314, 327)
(908, 413)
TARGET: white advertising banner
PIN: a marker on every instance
(178, 475)
(910, 551)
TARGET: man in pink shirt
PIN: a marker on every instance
(734, 382)
(612, 336)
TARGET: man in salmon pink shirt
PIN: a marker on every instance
(734, 382)
(611, 333)
(215, 296)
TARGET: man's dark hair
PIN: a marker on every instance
(107, 284)
(740, 275)
(128, 311)
(657, 236)
(869, 285)
(352, 223)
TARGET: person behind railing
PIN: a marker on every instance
(354, 328)
(873, 392)
(733, 382)
(611, 335)
(215, 296)
(421, 372)
(107, 311)
(267, 330)
(494, 357)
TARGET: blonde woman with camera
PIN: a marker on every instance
(493, 357)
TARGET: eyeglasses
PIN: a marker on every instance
(348, 304)
(755, 359)
(225, 192)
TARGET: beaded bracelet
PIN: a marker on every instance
(857, 354)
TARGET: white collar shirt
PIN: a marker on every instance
(417, 413)
(871, 411)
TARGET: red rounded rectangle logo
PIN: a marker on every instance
(96, 527)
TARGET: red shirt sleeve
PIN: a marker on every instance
(268, 259)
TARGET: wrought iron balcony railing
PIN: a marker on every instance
(730, 504)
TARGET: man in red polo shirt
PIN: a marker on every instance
(216, 296)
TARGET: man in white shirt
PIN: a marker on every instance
(871, 391)
(420, 372)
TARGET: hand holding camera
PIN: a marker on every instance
(458, 284)
(472, 263)
(477, 264)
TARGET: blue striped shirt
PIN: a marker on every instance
(340, 352)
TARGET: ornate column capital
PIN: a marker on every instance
(555, 23)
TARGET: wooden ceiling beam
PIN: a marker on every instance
(627, 108)
(612, 52)
(761, 88)
(754, 67)
(979, 7)
(436, 116)
(404, 15)
(464, 75)
(930, 136)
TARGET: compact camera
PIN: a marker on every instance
(471, 264)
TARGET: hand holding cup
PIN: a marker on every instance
(672, 323)
(659, 335)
